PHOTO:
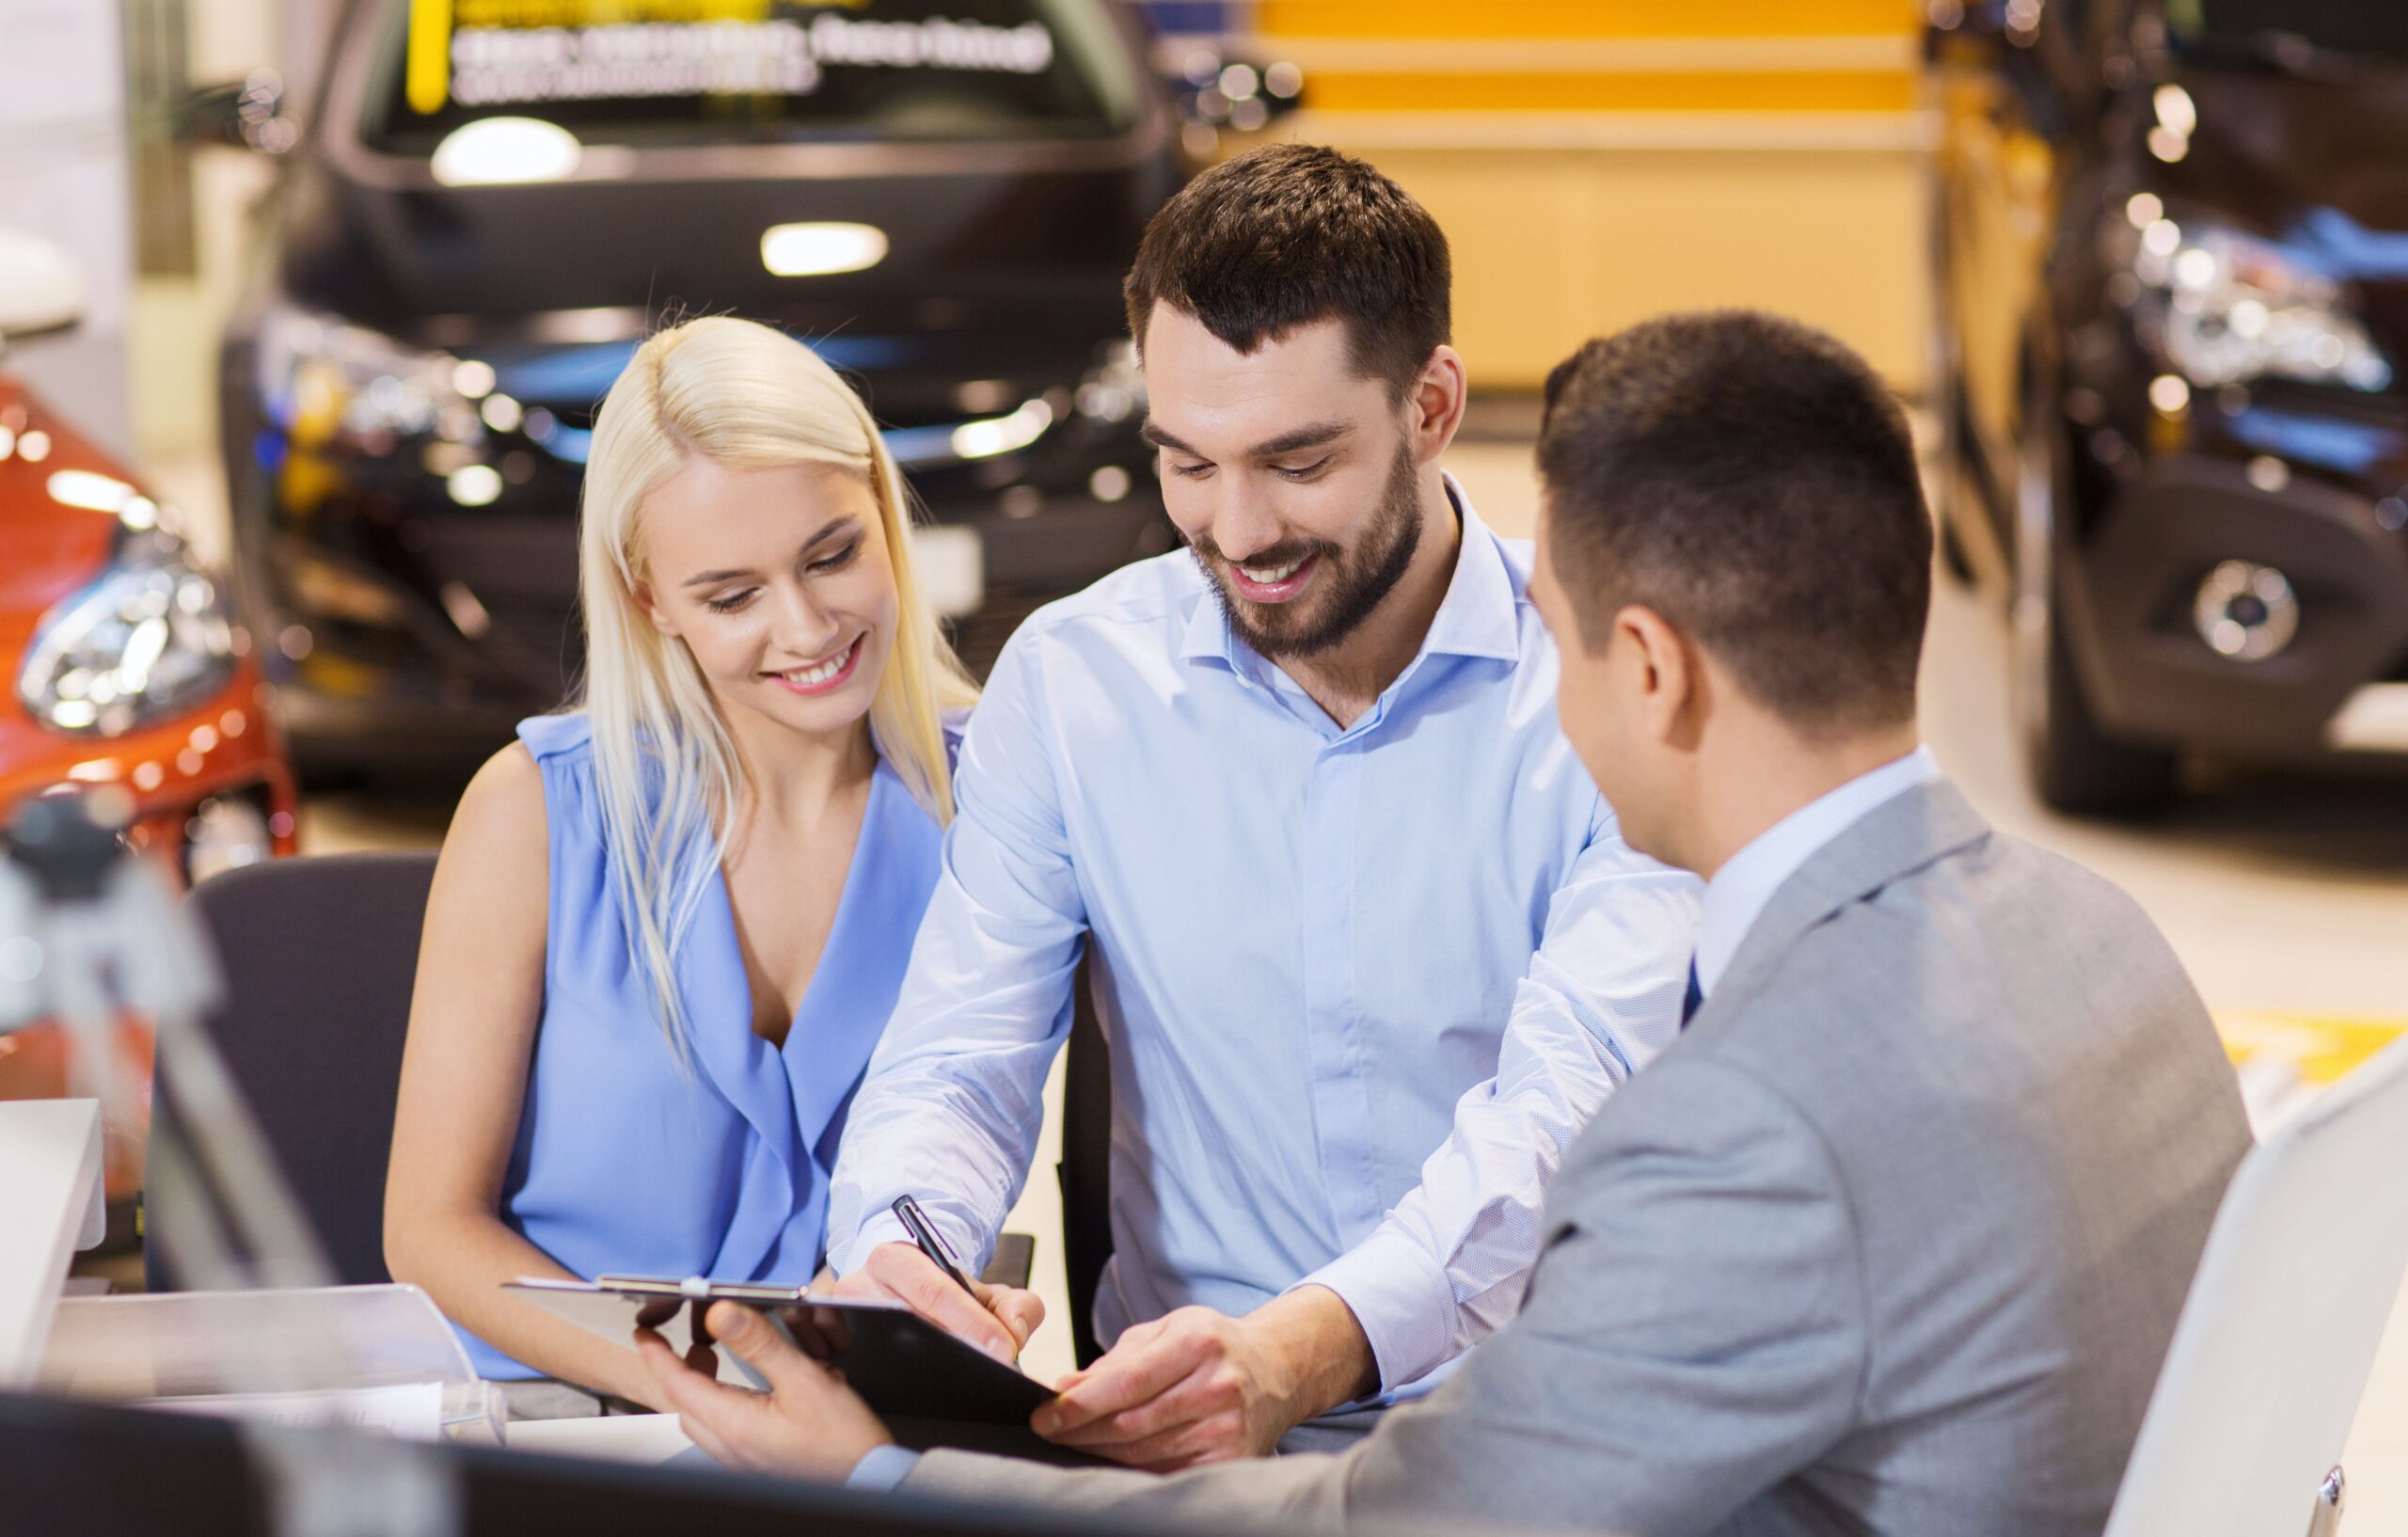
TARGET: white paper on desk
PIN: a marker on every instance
(624, 1438)
(413, 1411)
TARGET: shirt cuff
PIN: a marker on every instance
(882, 1470)
(886, 1227)
(1403, 1299)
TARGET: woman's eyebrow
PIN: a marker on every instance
(843, 524)
(835, 526)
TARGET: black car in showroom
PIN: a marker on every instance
(2174, 282)
(483, 216)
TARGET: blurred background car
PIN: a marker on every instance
(127, 669)
(485, 218)
(2174, 272)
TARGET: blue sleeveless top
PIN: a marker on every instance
(626, 1166)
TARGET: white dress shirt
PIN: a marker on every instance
(1745, 882)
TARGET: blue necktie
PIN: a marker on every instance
(1691, 999)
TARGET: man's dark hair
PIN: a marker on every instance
(1288, 234)
(1751, 480)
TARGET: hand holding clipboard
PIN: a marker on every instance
(901, 1365)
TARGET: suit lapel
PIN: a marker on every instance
(1895, 838)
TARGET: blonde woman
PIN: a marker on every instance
(667, 927)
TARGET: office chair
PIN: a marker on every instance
(320, 956)
(2244, 1433)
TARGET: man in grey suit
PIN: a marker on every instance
(1894, 1238)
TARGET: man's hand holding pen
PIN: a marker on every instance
(996, 1319)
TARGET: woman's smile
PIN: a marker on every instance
(824, 676)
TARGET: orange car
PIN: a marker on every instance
(124, 669)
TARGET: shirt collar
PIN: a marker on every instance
(1479, 616)
(1739, 890)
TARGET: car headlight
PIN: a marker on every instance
(2234, 308)
(1115, 389)
(325, 381)
(149, 637)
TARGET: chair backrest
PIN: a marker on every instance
(319, 956)
(1086, 1159)
(2279, 1333)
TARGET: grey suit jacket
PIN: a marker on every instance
(1891, 1240)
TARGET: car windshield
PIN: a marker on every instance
(658, 72)
(2340, 27)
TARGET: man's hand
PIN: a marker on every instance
(1199, 1386)
(810, 1423)
(999, 1321)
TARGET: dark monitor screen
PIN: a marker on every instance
(71, 1470)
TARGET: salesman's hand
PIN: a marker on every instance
(1199, 1386)
(809, 1424)
(999, 1321)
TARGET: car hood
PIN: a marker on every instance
(985, 275)
(48, 548)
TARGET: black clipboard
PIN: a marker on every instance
(903, 1366)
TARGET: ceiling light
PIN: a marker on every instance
(987, 438)
(815, 250)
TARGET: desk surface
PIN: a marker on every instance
(619, 1439)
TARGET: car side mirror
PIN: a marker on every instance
(1214, 91)
(40, 288)
(247, 114)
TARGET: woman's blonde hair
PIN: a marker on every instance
(668, 775)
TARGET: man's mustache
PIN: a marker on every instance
(1276, 555)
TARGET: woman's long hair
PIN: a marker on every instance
(668, 774)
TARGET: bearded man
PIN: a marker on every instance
(1372, 950)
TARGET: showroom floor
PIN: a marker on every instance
(2286, 897)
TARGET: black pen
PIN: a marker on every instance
(908, 1211)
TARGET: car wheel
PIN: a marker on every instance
(2075, 767)
(1948, 491)
(1945, 474)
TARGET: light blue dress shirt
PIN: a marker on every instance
(1739, 892)
(1363, 986)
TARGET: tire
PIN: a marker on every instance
(1953, 558)
(1947, 488)
(2075, 765)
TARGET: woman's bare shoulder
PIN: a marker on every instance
(499, 829)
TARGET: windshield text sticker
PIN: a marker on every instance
(712, 50)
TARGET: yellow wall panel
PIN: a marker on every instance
(1552, 248)
(1650, 91)
(1585, 18)
(1595, 162)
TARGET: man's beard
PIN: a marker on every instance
(1353, 582)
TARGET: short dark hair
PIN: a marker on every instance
(1288, 234)
(1754, 483)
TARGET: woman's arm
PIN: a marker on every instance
(479, 994)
